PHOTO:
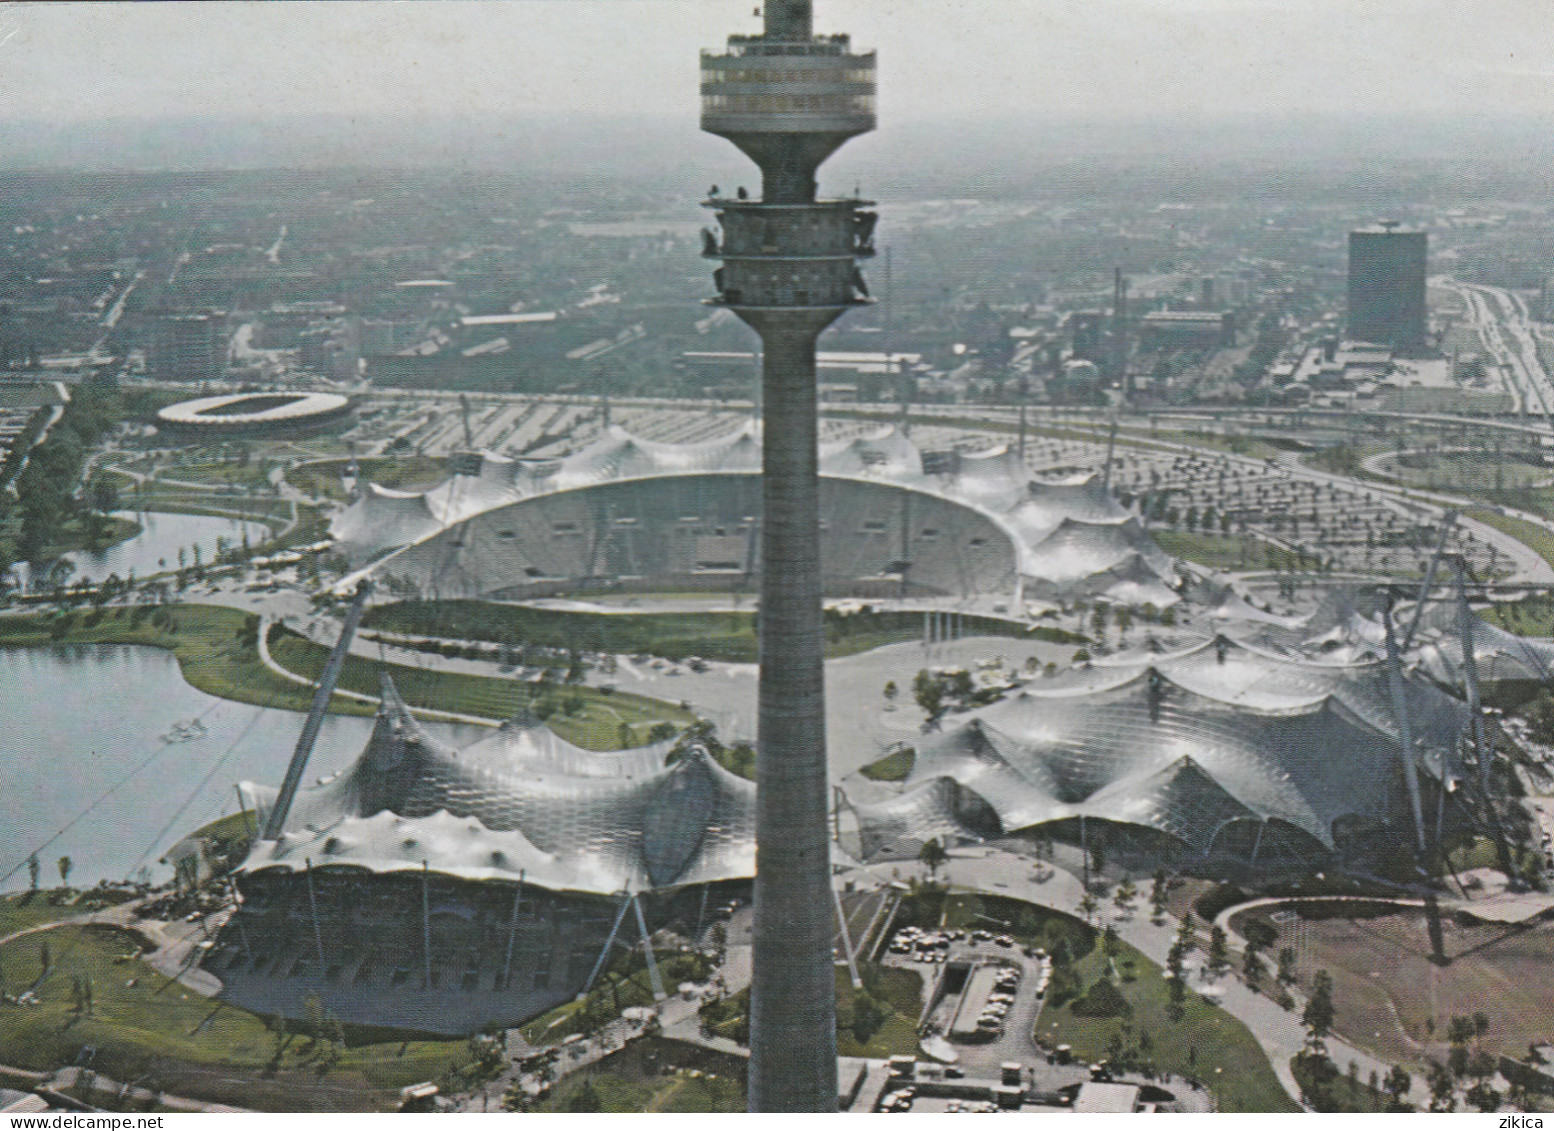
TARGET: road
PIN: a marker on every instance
(1503, 324)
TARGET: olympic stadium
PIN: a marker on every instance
(898, 521)
(235, 415)
(443, 890)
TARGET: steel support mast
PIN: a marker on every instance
(310, 726)
(788, 99)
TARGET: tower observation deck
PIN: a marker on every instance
(790, 267)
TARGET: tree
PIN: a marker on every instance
(1157, 895)
(1219, 953)
(1124, 896)
(1089, 905)
(1397, 1083)
(868, 1014)
(1481, 1065)
(1442, 1088)
(1111, 941)
(1287, 965)
(1252, 966)
(34, 870)
(1319, 1012)
(1185, 939)
(933, 856)
(65, 865)
(928, 692)
(891, 691)
(1482, 1096)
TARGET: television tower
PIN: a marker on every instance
(788, 99)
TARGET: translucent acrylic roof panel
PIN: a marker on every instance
(574, 819)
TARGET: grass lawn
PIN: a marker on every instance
(193, 1046)
(1532, 617)
(219, 474)
(1217, 551)
(896, 1002)
(412, 473)
(213, 646)
(677, 1092)
(1206, 1043)
(728, 636)
(1535, 537)
(901, 990)
(73, 535)
(1466, 473)
(597, 724)
(1340, 1093)
(653, 1074)
(27, 909)
(896, 766)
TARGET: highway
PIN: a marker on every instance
(1507, 332)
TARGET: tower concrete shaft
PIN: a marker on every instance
(788, 99)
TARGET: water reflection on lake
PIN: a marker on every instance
(76, 720)
(156, 547)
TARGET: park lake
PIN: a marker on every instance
(86, 725)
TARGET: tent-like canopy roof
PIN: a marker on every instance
(520, 801)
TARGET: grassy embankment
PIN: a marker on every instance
(895, 766)
(625, 983)
(878, 1021)
(676, 1092)
(22, 910)
(586, 716)
(171, 499)
(141, 1024)
(1205, 1043)
(728, 636)
(1534, 537)
(411, 473)
(653, 1074)
(214, 647)
(75, 534)
(1219, 551)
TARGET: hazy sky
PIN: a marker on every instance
(62, 62)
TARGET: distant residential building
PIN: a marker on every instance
(1387, 268)
(1087, 334)
(187, 347)
(1199, 327)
